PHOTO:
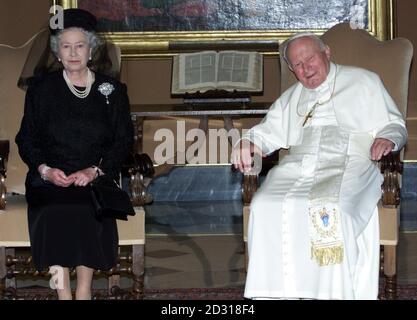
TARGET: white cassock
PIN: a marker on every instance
(313, 227)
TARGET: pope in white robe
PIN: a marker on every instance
(313, 227)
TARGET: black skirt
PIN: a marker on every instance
(63, 230)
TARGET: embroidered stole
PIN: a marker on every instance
(324, 213)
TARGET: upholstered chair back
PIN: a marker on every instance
(389, 59)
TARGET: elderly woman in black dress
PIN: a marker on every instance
(76, 126)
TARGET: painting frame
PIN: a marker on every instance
(161, 43)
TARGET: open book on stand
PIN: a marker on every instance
(232, 71)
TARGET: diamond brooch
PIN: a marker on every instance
(106, 89)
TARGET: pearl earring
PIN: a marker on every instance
(90, 58)
(59, 59)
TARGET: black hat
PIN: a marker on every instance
(78, 18)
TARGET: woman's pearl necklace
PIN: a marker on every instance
(79, 93)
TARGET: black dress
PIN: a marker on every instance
(71, 134)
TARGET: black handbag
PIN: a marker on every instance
(109, 200)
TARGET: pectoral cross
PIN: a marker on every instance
(310, 114)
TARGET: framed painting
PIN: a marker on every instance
(158, 27)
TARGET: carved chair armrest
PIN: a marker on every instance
(249, 186)
(4, 156)
(391, 167)
(250, 183)
(137, 167)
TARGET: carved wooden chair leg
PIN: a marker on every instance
(138, 270)
(113, 282)
(249, 186)
(7, 273)
(381, 261)
(246, 212)
(246, 256)
(10, 255)
(3, 272)
(390, 272)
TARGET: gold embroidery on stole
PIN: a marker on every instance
(324, 214)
